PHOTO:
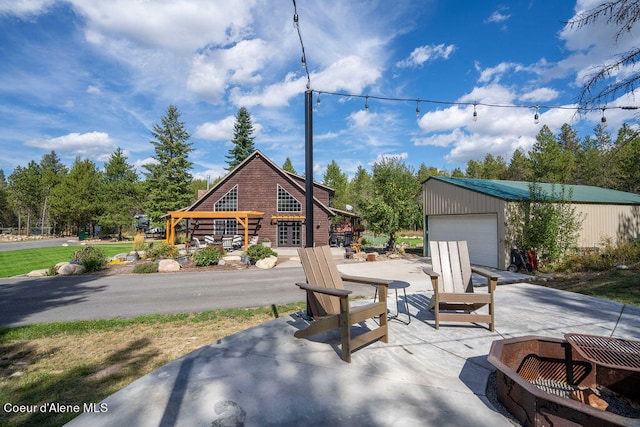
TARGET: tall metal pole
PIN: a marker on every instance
(308, 156)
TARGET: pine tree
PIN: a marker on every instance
(338, 180)
(53, 172)
(169, 178)
(242, 139)
(121, 195)
(288, 166)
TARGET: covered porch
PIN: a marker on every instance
(174, 218)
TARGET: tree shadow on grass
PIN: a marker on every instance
(83, 385)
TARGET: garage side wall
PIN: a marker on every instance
(441, 198)
(620, 223)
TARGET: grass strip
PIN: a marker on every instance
(84, 362)
(22, 261)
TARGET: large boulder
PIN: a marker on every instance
(38, 273)
(68, 269)
(268, 262)
(168, 266)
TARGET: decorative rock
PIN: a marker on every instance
(230, 258)
(71, 269)
(38, 273)
(268, 262)
(222, 262)
(168, 266)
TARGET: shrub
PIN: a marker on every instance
(92, 258)
(162, 250)
(138, 242)
(147, 267)
(259, 252)
(207, 256)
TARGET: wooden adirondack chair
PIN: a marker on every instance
(329, 301)
(453, 296)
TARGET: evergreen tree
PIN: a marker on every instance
(25, 193)
(519, 168)
(7, 216)
(53, 172)
(168, 179)
(121, 195)
(360, 189)
(425, 172)
(242, 139)
(75, 201)
(338, 180)
(549, 162)
(288, 166)
(627, 157)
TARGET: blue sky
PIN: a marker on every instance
(83, 77)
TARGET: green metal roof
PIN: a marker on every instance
(519, 190)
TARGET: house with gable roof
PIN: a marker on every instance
(259, 198)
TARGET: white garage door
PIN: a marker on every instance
(480, 232)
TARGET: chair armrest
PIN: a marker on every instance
(485, 273)
(365, 280)
(430, 272)
(323, 290)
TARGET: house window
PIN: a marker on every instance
(286, 202)
(228, 202)
(223, 227)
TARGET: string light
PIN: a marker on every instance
(537, 108)
(303, 59)
(536, 116)
(318, 100)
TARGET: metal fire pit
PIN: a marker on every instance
(536, 377)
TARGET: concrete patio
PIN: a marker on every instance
(264, 376)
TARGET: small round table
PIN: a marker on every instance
(398, 284)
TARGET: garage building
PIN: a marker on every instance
(475, 209)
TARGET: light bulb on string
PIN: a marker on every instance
(475, 113)
(603, 120)
(366, 103)
(318, 100)
(418, 108)
(295, 20)
(536, 116)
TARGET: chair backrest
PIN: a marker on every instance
(321, 270)
(451, 261)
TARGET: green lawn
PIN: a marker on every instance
(13, 263)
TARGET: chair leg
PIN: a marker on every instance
(345, 330)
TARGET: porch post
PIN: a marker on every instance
(308, 150)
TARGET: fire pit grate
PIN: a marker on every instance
(611, 352)
(553, 375)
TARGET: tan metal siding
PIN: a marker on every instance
(441, 198)
(617, 222)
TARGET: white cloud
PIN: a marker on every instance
(542, 94)
(382, 157)
(94, 90)
(91, 143)
(24, 8)
(426, 53)
(498, 17)
(221, 130)
(180, 26)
